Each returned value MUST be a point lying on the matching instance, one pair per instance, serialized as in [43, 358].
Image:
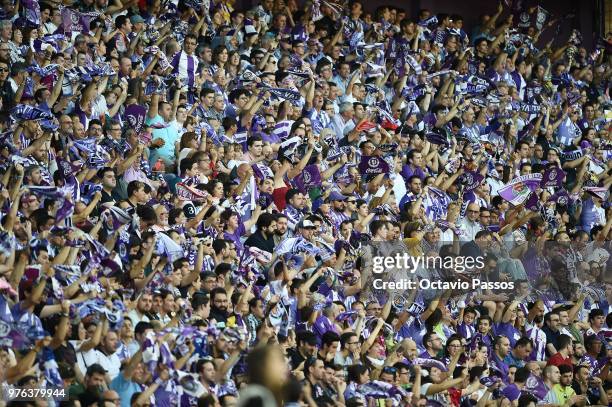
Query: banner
[518, 190]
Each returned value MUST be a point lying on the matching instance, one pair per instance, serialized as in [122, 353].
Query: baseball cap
[135, 19]
[335, 196]
[306, 224]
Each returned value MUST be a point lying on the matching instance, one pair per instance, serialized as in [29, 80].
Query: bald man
[470, 222]
[409, 349]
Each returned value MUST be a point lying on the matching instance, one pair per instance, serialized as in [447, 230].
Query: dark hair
[376, 225]
[521, 375]
[345, 338]
[523, 341]
[330, 337]
[265, 220]
[291, 193]
[141, 327]
[134, 186]
[354, 371]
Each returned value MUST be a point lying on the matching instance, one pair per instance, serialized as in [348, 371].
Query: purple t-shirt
[408, 171]
[511, 392]
[508, 330]
[235, 237]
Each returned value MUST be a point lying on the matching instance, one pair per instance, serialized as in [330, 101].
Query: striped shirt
[567, 132]
[186, 66]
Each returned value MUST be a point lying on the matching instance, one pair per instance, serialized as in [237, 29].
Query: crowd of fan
[193, 195]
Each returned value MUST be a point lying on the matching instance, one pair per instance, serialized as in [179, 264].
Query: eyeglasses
[389, 369]
[3, 69]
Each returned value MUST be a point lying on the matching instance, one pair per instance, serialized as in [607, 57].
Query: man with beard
[143, 307]
[107, 356]
[207, 373]
[295, 207]
[564, 391]
[432, 344]
[338, 206]
[263, 238]
[280, 233]
[223, 251]
[314, 370]
[218, 310]
[91, 389]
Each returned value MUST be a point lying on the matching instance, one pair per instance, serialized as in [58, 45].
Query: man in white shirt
[470, 224]
[142, 307]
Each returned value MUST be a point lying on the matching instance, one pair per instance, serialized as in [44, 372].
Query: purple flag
[285, 94]
[561, 197]
[518, 190]
[533, 202]
[26, 112]
[87, 145]
[430, 363]
[553, 177]
[372, 165]
[535, 385]
[309, 178]
[135, 116]
[471, 180]
[73, 20]
[262, 171]
[31, 10]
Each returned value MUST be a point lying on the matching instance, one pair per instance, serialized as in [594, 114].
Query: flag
[135, 115]
[87, 145]
[429, 363]
[572, 155]
[372, 165]
[518, 190]
[284, 94]
[42, 72]
[31, 11]
[553, 177]
[115, 217]
[310, 177]
[435, 137]
[26, 112]
[73, 20]
[416, 67]
[599, 192]
[262, 171]
[366, 126]
[282, 129]
[189, 193]
[471, 180]
[167, 247]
